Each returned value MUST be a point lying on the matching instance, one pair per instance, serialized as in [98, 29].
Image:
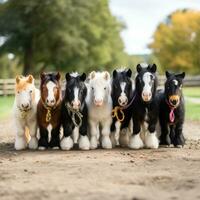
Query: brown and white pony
[25, 108]
[49, 111]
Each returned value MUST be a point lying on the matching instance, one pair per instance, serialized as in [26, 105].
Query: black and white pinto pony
[145, 108]
[172, 111]
[122, 94]
[74, 112]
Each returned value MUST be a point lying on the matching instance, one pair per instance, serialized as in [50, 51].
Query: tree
[60, 34]
[176, 42]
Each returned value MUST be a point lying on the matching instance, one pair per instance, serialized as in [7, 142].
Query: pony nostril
[52, 101]
[174, 102]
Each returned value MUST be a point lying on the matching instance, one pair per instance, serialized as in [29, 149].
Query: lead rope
[74, 114]
[49, 109]
[23, 112]
[171, 114]
[118, 109]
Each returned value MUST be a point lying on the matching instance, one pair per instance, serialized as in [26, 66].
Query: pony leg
[43, 141]
[33, 143]
[151, 140]
[20, 140]
[55, 138]
[67, 142]
[135, 140]
[94, 134]
[106, 142]
[179, 139]
[84, 142]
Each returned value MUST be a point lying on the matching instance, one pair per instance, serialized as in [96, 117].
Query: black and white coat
[145, 108]
[122, 94]
[74, 112]
[172, 111]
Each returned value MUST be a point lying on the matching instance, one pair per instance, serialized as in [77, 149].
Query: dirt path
[100, 174]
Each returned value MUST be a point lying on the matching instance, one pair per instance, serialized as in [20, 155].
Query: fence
[7, 85]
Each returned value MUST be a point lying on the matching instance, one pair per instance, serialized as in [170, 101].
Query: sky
[141, 18]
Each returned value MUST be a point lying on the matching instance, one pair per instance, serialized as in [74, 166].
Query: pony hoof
[106, 143]
[93, 143]
[66, 143]
[20, 143]
[41, 148]
[151, 141]
[55, 148]
[84, 143]
[33, 144]
[136, 142]
[179, 146]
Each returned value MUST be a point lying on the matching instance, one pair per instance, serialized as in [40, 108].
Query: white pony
[25, 107]
[99, 108]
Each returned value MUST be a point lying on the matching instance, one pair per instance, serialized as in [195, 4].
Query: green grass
[192, 92]
[192, 111]
[6, 104]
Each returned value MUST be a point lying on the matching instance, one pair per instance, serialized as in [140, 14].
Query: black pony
[122, 93]
[145, 107]
[172, 111]
[74, 112]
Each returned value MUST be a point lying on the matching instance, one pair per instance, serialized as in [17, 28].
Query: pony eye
[104, 88]
[92, 88]
[17, 92]
[31, 91]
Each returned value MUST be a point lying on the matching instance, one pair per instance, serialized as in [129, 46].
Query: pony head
[50, 88]
[121, 87]
[76, 91]
[173, 88]
[146, 82]
[99, 87]
[24, 92]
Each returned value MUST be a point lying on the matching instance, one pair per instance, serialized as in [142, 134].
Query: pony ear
[17, 79]
[106, 75]
[42, 75]
[139, 68]
[114, 73]
[67, 76]
[153, 68]
[92, 75]
[58, 76]
[129, 73]
[83, 77]
[30, 79]
[167, 74]
[182, 75]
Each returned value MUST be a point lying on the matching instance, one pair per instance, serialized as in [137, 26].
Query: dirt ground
[166, 173]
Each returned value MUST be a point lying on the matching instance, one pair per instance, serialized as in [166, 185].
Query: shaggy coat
[74, 112]
[49, 111]
[172, 111]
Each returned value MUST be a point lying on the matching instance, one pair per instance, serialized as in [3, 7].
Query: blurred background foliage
[69, 35]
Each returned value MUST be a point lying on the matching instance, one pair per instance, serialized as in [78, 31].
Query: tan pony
[25, 108]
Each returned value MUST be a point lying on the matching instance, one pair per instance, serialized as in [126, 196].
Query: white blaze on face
[146, 93]
[175, 82]
[76, 103]
[122, 100]
[51, 98]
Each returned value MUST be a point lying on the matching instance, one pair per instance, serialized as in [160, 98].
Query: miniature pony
[172, 111]
[49, 111]
[99, 108]
[145, 108]
[75, 112]
[25, 108]
[122, 95]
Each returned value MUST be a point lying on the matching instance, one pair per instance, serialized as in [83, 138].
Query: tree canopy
[60, 34]
[176, 42]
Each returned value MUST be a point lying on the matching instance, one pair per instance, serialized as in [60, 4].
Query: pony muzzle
[50, 102]
[98, 102]
[76, 105]
[146, 96]
[174, 100]
[123, 100]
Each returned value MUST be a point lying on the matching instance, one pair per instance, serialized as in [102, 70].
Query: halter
[23, 112]
[74, 114]
[119, 109]
[49, 109]
[171, 114]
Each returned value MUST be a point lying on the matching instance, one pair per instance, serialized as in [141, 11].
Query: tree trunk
[28, 60]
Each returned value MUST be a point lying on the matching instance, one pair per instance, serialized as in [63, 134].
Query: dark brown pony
[49, 111]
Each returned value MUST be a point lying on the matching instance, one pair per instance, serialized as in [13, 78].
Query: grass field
[192, 109]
